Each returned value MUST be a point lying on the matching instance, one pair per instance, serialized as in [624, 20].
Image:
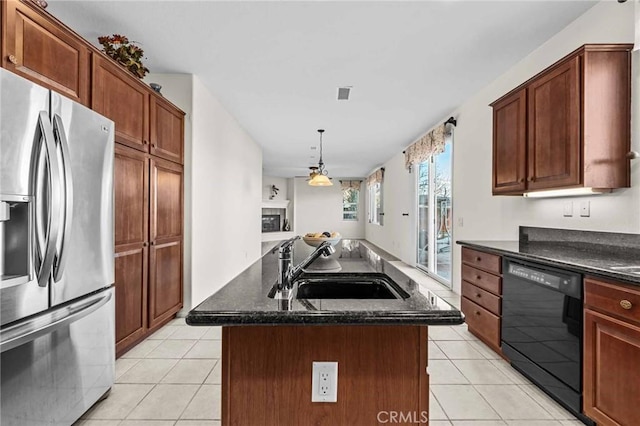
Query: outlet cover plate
[324, 382]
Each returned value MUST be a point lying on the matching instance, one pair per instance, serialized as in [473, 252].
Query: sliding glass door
[434, 215]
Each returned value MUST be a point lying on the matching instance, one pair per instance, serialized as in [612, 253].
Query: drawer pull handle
[478, 259]
[478, 277]
[478, 295]
[626, 304]
[13, 59]
[477, 312]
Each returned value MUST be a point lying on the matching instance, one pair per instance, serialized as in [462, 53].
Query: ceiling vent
[343, 93]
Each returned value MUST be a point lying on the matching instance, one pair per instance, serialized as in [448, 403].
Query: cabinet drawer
[482, 321]
[482, 279]
[485, 261]
[482, 297]
[616, 299]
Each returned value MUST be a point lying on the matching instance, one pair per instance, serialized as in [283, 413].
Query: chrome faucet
[287, 273]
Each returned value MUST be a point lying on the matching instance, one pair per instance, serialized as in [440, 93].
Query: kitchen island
[269, 345]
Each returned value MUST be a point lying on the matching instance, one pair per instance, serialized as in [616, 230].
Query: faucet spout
[325, 249]
[287, 273]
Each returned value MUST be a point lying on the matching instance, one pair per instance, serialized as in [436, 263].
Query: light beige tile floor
[173, 379]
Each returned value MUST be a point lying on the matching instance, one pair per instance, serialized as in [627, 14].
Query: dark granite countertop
[599, 256]
[244, 300]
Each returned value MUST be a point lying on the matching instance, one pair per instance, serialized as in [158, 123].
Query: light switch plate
[568, 209]
[324, 382]
[585, 209]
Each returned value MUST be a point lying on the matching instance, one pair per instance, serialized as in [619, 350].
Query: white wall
[485, 217]
[397, 235]
[319, 209]
[223, 189]
[227, 196]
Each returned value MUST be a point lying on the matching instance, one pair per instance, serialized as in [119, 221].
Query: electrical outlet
[324, 382]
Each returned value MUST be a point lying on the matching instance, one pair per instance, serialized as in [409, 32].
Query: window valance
[429, 144]
[376, 177]
[350, 184]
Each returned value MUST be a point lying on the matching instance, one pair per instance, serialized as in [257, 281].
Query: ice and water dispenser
[15, 221]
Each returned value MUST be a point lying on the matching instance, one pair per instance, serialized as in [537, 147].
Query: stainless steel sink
[348, 286]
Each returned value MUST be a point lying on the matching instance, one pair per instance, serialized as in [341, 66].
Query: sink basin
[348, 286]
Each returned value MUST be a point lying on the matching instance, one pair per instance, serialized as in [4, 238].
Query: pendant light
[319, 177]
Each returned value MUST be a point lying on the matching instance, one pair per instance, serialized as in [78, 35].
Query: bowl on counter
[316, 241]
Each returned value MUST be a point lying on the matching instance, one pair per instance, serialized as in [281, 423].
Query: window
[350, 199]
[375, 203]
[434, 214]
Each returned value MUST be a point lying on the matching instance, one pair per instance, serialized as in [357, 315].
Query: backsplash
[610, 241]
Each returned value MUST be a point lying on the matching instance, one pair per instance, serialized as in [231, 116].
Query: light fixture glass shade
[569, 192]
[320, 180]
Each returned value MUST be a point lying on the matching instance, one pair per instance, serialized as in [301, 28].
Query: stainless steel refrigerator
[57, 332]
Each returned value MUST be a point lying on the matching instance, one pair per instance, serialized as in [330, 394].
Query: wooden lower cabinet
[611, 369]
[148, 242]
[131, 295]
[165, 283]
[481, 299]
[267, 372]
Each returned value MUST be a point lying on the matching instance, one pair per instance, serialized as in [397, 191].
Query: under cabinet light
[570, 192]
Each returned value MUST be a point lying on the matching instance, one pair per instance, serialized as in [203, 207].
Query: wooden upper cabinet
[116, 95]
[554, 128]
[37, 47]
[167, 130]
[510, 143]
[576, 121]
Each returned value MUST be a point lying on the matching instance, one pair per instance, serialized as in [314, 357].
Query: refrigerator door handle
[54, 199]
[61, 258]
[28, 331]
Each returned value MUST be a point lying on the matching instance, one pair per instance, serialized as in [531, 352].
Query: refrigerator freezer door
[55, 378]
[85, 261]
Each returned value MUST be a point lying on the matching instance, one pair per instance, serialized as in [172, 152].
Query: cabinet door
[131, 296]
[554, 128]
[510, 144]
[116, 95]
[166, 200]
[165, 280]
[165, 260]
[611, 370]
[43, 51]
[167, 131]
[131, 188]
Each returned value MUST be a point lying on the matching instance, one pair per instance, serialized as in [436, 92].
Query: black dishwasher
[542, 328]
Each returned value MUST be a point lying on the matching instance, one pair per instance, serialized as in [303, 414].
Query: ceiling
[276, 66]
